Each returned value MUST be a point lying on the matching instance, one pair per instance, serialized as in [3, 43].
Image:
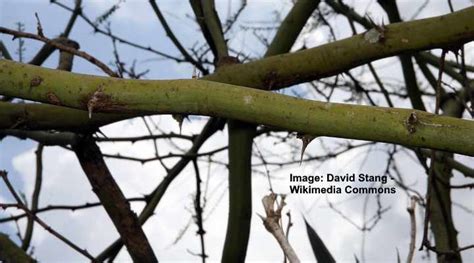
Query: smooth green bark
[326, 60]
[11, 252]
[400, 126]
[409, 75]
[241, 136]
[291, 27]
[338, 56]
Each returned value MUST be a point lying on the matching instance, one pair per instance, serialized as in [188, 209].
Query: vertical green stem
[241, 136]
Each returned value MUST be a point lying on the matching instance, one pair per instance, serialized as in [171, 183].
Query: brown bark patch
[411, 122]
[53, 99]
[35, 81]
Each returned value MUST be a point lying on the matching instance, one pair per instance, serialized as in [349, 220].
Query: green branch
[295, 68]
[409, 75]
[291, 27]
[11, 252]
[101, 94]
[38, 117]
[339, 56]
[241, 136]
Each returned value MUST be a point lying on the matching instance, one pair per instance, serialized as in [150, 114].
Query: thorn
[306, 139]
[180, 119]
[39, 28]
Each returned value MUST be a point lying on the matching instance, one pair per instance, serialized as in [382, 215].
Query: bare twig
[145, 137]
[64, 207]
[39, 28]
[35, 197]
[167, 156]
[114, 37]
[56, 44]
[22, 206]
[271, 223]
[290, 224]
[199, 210]
[175, 40]
[438, 86]
[411, 211]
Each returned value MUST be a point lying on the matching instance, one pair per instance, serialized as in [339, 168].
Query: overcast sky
[65, 183]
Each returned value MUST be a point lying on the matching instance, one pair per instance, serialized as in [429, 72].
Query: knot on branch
[36, 81]
[411, 122]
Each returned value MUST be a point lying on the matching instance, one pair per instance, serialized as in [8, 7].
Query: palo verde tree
[292, 89]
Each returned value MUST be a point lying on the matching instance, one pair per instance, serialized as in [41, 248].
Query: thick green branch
[213, 24]
[291, 27]
[409, 75]
[11, 252]
[241, 136]
[400, 126]
[4, 51]
[325, 60]
[339, 56]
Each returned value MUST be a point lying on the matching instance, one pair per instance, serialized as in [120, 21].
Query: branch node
[411, 122]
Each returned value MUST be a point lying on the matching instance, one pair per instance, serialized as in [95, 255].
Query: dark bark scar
[35, 81]
[100, 101]
[52, 98]
[411, 122]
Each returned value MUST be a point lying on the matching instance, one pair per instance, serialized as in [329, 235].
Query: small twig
[35, 197]
[199, 210]
[22, 206]
[82, 54]
[411, 211]
[174, 39]
[145, 137]
[264, 162]
[450, 6]
[39, 28]
[61, 207]
[155, 145]
[290, 224]
[72, 20]
[114, 37]
[448, 252]
[167, 156]
[21, 42]
[440, 77]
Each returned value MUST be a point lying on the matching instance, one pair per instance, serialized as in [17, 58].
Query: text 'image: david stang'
[305, 184]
